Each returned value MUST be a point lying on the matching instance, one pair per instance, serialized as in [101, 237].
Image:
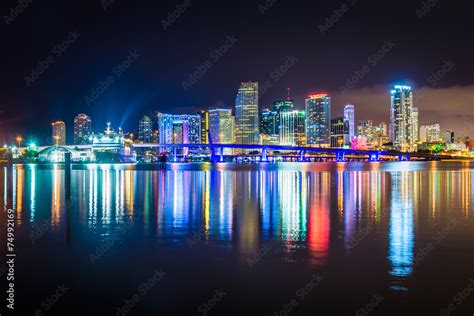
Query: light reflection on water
[306, 210]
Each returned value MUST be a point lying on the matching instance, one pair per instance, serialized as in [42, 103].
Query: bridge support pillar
[264, 155]
[302, 156]
[175, 156]
[374, 157]
[221, 152]
[340, 157]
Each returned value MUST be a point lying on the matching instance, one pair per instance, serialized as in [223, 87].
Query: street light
[19, 140]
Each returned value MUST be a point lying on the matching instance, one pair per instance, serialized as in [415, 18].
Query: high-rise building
[449, 137]
[283, 105]
[292, 131]
[145, 130]
[59, 133]
[268, 122]
[246, 114]
[380, 135]
[414, 133]
[165, 127]
[339, 128]
[204, 126]
[181, 132]
[430, 134]
[349, 119]
[221, 126]
[402, 129]
[318, 120]
[82, 129]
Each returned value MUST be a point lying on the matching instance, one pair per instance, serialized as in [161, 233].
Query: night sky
[256, 38]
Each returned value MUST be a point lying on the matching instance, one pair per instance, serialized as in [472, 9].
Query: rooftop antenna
[289, 93]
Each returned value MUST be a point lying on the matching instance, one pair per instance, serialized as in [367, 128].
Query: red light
[318, 95]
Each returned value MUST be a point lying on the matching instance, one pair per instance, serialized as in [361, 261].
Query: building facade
[292, 131]
[349, 119]
[82, 129]
[145, 130]
[204, 115]
[318, 120]
[402, 127]
[165, 127]
[339, 128]
[246, 114]
[59, 133]
[221, 126]
[430, 134]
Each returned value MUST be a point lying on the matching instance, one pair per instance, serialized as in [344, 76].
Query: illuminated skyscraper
[204, 126]
[430, 134]
[349, 119]
[414, 133]
[165, 127]
[180, 132]
[59, 133]
[366, 129]
[339, 128]
[82, 129]
[292, 131]
[402, 125]
[269, 122]
[221, 126]
[318, 120]
[449, 137]
[246, 114]
[145, 130]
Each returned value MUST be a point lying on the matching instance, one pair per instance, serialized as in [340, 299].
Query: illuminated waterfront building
[349, 119]
[449, 137]
[292, 131]
[165, 127]
[204, 115]
[339, 128]
[414, 133]
[82, 129]
[430, 134]
[402, 127]
[318, 120]
[145, 130]
[366, 129]
[246, 114]
[59, 133]
[283, 105]
[221, 126]
[269, 126]
[180, 132]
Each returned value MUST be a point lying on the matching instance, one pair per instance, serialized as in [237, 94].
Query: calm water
[287, 239]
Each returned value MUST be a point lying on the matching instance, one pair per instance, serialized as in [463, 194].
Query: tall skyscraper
[269, 122]
[59, 133]
[349, 119]
[401, 118]
[221, 126]
[204, 125]
[246, 114]
[292, 131]
[414, 133]
[180, 132]
[449, 137]
[145, 130]
[366, 129]
[318, 120]
[165, 127]
[339, 127]
[82, 129]
[430, 134]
